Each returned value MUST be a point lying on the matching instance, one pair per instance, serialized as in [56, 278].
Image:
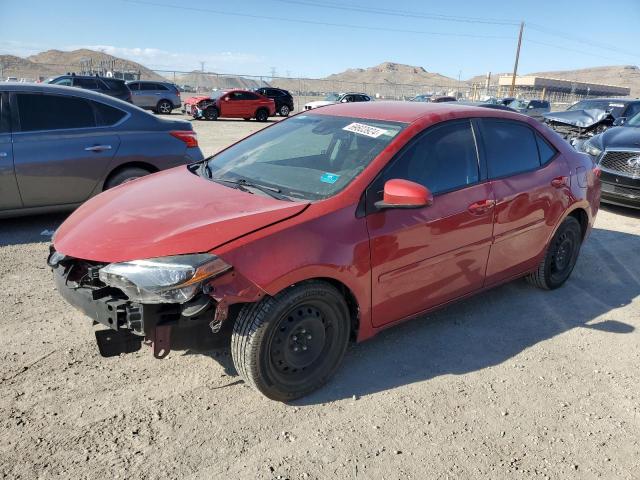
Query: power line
[585, 41]
[569, 49]
[313, 22]
[401, 13]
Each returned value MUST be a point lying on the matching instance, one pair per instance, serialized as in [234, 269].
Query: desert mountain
[56, 62]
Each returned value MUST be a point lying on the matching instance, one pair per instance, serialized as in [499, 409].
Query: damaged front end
[575, 125]
[170, 303]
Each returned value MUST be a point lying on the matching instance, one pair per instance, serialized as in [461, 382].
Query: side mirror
[619, 121]
[226, 99]
[404, 194]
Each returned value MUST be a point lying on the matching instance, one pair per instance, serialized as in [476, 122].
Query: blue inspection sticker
[329, 177]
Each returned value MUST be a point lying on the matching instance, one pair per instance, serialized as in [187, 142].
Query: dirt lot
[513, 383]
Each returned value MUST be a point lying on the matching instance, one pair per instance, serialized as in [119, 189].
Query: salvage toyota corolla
[330, 225]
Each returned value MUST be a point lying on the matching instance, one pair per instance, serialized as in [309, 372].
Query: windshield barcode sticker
[367, 130]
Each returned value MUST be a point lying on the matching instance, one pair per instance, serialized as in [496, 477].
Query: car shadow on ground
[29, 229]
[487, 329]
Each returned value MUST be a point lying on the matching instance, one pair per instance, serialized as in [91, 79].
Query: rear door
[9, 193]
[421, 258]
[150, 94]
[530, 182]
[60, 151]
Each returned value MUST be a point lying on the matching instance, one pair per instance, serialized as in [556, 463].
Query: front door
[9, 193]
[530, 183]
[421, 258]
[59, 151]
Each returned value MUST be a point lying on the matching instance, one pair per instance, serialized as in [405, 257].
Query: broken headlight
[590, 148]
[175, 279]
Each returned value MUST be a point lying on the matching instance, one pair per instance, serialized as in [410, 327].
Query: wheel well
[147, 166]
[350, 298]
[582, 217]
[262, 108]
[164, 100]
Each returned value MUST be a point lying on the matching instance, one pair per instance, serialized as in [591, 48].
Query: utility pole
[273, 72]
[202, 67]
[515, 67]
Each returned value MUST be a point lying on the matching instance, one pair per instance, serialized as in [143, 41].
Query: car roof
[409, 112]
[62, 90]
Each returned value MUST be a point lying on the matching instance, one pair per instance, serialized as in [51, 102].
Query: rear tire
[125, 175]
[560, 258]
[211, 113]
[164, 107]
[289, 345]
[262, 115]
[246, 119]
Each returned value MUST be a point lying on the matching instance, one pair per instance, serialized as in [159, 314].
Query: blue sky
[318, 37]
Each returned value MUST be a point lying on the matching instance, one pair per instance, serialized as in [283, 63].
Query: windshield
[331, 97]
[633, 121]
[217, 94]
[309, 157]
[518, 104]
[614, 107]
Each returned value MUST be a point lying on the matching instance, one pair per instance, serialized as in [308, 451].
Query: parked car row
[333, 98]
[230, 104]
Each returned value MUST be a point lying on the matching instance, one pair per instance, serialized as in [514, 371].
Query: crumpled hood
[196, 100]
[168, 213]
[319, 103]
[578, 118]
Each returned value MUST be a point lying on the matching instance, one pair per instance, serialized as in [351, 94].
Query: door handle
[560, 182]
[481, 206]
[98, 148]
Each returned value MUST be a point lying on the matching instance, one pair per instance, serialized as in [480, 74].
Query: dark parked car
[109, 86]
[442, 99]
[60, 146]
[617, 154]
[533, 108]
[495, 106]
[160, 97]
[283, 99]
[592, 116]
[327, 226]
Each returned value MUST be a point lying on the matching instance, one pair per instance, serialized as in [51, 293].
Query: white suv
[333, 98]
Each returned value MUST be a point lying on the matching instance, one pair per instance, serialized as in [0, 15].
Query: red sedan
[330, 225]
[231, 104]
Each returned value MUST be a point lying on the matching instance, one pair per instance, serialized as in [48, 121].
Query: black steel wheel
[288, 345]
[284, 111]
[164, 107]
[211, 113]
[262, 115]
[562, 255]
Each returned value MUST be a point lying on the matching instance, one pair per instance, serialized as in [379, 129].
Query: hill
[57, 62]
[622, 75]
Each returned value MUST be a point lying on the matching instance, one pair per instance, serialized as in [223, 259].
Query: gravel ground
[515, 382]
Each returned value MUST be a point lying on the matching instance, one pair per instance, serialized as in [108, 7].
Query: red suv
[332, 224]
[231, 104]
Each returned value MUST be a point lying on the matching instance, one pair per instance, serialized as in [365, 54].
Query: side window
[108, 115]
[88, 83]
[546, 151]
[53, 112]
[4, 115]
[511, 147]
[246, 96]
[442, 159]
[113, 84]
[235, 96]
[63, 81]
[133, 86]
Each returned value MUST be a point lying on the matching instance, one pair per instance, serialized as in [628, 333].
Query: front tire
[211, 113]
[560, 258]
[289, 345]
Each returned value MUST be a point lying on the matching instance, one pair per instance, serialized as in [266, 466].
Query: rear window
[88, 83]
[511, 147]
[108, 115]
[53, 112]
